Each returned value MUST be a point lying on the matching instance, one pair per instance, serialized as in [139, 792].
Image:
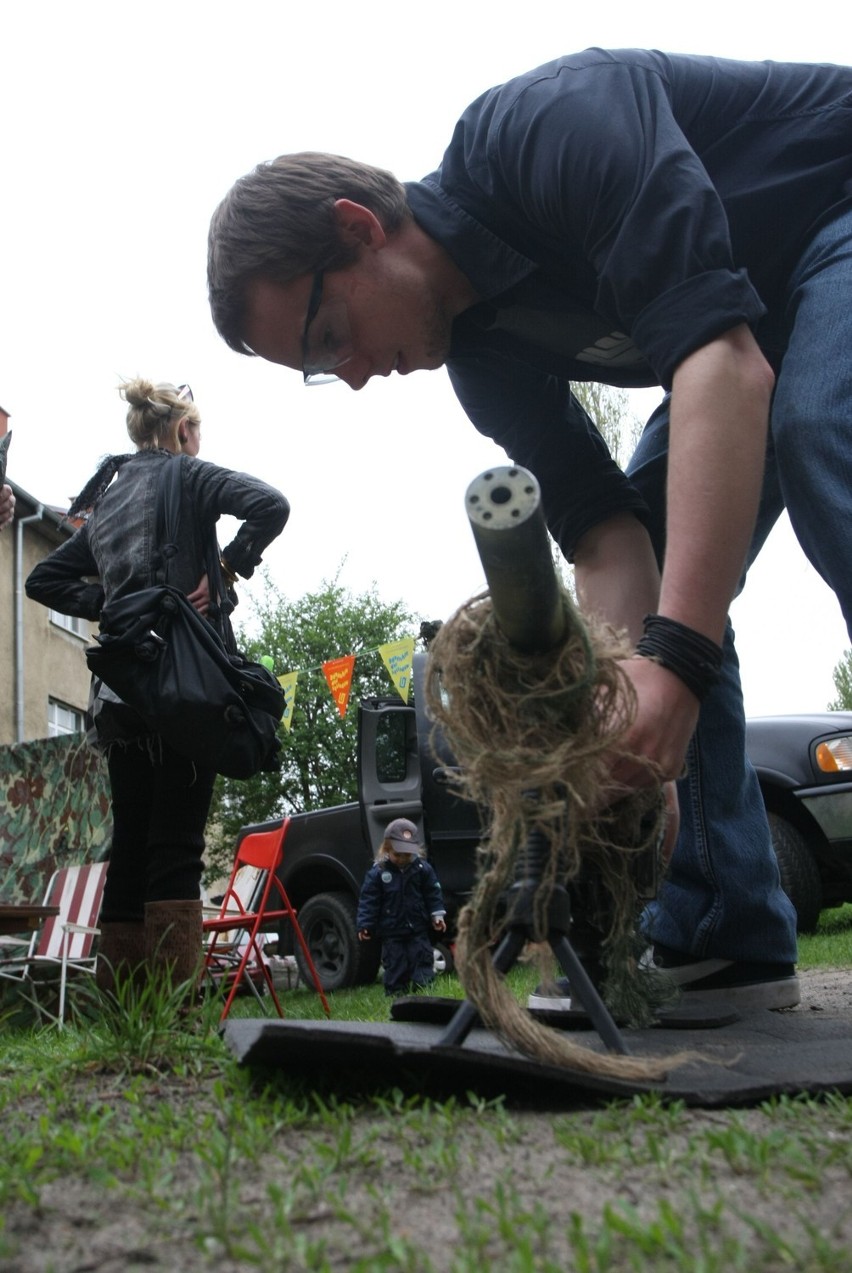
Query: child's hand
[364, 934]
[439, 923]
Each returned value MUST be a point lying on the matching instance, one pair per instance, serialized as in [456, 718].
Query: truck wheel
[328, 923]
[800, 877]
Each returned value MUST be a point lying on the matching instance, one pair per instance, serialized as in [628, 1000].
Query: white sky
[123, 125]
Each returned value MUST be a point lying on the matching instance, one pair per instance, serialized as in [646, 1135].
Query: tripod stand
[520, 928]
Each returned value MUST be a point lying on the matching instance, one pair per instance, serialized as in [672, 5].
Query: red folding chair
[263, 849]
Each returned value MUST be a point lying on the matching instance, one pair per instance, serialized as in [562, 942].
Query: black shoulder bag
[170, 665]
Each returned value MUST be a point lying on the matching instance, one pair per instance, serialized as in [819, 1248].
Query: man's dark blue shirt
[616, 211]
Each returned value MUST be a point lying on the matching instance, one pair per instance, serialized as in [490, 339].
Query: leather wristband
[689, 654]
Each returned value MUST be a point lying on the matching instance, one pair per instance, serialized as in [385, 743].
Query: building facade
[41, 651]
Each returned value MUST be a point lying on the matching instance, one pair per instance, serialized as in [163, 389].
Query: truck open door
[389, 780]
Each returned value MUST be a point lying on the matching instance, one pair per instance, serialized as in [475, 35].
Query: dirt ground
[826, 990]
[433, 1207]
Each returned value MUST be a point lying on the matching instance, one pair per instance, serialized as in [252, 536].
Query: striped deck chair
[65, 942]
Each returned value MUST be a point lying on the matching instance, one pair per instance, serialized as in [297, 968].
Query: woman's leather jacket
[115, 552]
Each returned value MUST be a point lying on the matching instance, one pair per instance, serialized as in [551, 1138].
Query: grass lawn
[831, 945]
[133, 1141]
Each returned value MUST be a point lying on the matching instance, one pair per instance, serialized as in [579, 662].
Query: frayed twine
[536, 737]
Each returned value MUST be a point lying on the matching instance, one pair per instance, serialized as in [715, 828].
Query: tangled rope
[536, 736]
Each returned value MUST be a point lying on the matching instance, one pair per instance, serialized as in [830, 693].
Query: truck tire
[800, 878]
[328, 923]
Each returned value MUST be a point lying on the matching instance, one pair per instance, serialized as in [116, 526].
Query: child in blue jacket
[401, 903]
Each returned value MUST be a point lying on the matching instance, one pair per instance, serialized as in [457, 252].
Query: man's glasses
[326, 337]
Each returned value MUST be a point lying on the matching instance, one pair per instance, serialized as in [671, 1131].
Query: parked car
[804, 764]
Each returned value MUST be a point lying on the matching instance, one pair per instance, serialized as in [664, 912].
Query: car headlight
[834, 755]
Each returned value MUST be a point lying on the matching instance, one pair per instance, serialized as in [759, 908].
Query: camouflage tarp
[54, 811]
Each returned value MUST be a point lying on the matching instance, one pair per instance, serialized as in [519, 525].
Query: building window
[62, 719]
[69, 622]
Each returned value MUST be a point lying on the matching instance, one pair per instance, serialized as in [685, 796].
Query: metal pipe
[507, 519]
[535, 614]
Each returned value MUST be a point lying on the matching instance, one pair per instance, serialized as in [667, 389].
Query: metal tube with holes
[506, 517]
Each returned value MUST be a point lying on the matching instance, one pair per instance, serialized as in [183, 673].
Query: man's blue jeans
[722, 896]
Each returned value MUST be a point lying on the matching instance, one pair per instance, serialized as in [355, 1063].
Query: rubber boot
[173, 949]
[121, 953]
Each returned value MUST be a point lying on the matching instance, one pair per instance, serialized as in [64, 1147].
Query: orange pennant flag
[338, 673]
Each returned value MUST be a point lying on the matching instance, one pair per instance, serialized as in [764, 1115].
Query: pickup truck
[804, 764]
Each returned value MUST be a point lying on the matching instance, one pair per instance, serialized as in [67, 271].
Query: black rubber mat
[437, 1010]
[749, 1060]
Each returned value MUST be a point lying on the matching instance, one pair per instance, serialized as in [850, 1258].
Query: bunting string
[397, 656]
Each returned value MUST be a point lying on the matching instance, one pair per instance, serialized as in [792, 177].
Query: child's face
[402, 860]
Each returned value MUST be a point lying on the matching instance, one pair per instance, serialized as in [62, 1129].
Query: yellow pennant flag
[398, 657]
[338, 673]
[288, 685]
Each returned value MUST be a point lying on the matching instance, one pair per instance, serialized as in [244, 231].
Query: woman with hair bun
[151, 912]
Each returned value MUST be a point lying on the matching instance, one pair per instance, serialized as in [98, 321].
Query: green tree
[842, 677]
[609, 408]
[319, 761]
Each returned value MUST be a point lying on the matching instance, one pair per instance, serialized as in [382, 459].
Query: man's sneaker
[712, 984]
[557, 1000]
[729, 983]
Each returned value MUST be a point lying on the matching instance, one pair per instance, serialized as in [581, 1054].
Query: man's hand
[439, 923]
[665, 721]
[672, 827]
[364, 934]
[7, 506]
[666, 716]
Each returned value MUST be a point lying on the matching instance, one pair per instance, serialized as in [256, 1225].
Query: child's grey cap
[403, 836]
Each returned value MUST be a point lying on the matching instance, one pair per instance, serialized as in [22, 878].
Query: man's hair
[278, 223]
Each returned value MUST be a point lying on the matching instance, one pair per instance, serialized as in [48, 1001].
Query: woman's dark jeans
[160, 803]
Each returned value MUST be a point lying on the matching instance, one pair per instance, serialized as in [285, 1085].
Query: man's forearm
[717, 447]
[720, 407]
[616, 574]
